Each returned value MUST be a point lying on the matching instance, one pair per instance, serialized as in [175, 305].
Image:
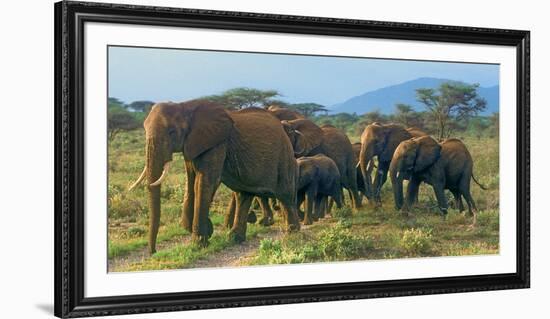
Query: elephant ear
[392, 136]
[209, 126]
[427, 153]
[308, 136]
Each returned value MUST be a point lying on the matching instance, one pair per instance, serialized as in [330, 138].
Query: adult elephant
[381, 140]
[448, 165]
[247, 150]
[308, 139]
[282, 114]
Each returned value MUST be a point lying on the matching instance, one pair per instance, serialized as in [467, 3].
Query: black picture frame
[70, 18]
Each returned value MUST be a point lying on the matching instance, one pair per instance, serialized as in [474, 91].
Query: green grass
[370, 233]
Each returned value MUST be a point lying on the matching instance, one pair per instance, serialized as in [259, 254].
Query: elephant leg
[290, 212]
[189, 198]
[251, 217]
[230, 213]
[441, 198]
[323, 207]
[330, 203]
[350, 194]
[380, 179]
[472, 209]
[458, 200]
[300, 198]
[412, 192]
[238, 231]
[310, 197]
[318, 207]
[353, 189]
[208, 168]
[267, 219]
[274, 204]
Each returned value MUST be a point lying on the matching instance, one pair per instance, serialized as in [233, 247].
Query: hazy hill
[384, 99]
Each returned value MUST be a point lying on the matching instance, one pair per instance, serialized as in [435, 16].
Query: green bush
[417, 241]
[273, 252]
[341, 213]
[338, 242]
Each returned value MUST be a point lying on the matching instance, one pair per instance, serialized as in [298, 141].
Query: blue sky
[179, 75]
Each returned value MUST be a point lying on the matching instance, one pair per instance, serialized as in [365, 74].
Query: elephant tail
[478, 183]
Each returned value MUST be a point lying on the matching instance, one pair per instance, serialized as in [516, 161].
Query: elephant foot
[293, 227]
[308, 221]
[251, 219]
[236, 237]
[267, 221]
[316, 218]
[199, 241]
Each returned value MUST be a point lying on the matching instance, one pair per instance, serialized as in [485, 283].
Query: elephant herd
[277, 154]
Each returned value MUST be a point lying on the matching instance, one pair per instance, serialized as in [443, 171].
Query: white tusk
[163, 176]
[398, 174]
[298, 132]
[139, 180]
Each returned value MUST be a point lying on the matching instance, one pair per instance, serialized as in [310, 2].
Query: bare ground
[232, 256]
[139, 255]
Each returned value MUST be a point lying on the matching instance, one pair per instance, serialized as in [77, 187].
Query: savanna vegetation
[371, 232]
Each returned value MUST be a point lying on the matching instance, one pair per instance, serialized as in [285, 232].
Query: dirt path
[237, 254]
[139, 255]
[232, 256]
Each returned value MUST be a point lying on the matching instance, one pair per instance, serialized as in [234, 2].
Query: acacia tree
[308, 109]
[451, 101]
[405, 114]
[119, 119]
[243, 97]
[141, 106]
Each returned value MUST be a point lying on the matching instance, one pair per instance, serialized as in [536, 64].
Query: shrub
[339, 242]
[417, 241]
[273, 252]
[341, 213]
[121, 206]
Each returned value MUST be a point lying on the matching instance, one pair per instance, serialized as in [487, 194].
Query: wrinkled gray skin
[247, 150]
[318, 178]
[446, 165]
[380, 141]
[281, 114]
[309, 139]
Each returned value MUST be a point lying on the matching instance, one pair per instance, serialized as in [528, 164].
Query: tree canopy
[308, 109]
[451, 101]
[140, 106]
[243, 97]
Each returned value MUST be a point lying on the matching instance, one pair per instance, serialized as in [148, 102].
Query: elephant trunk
[154, 171]
[397, 183]
[365, 156]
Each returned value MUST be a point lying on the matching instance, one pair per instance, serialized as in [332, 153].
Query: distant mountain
[384, 99]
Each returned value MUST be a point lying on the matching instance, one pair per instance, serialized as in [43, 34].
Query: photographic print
[200, 151]
[234, 159]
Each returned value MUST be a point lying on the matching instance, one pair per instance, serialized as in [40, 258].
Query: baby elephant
[446, 165]
[318, 178]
